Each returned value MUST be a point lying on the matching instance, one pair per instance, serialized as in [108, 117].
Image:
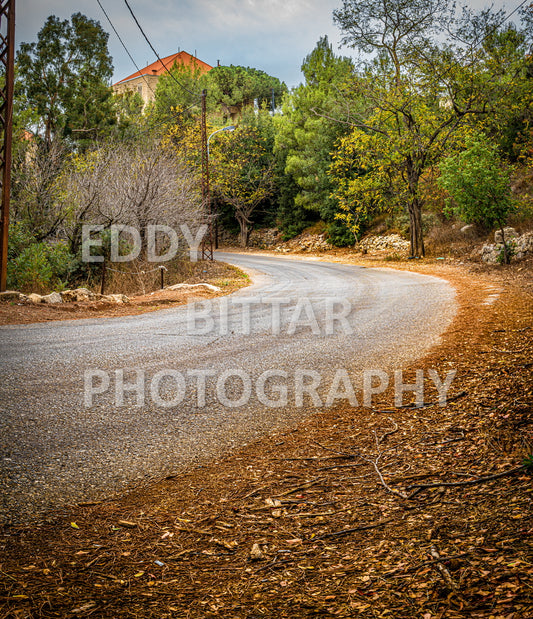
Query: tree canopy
[65, 77]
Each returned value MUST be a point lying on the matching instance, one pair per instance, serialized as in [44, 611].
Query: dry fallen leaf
[256, 554]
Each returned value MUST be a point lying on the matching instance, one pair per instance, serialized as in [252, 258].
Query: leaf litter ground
[356, 512]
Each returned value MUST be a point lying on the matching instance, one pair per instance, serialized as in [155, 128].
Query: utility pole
[7, 59]
[207, 244]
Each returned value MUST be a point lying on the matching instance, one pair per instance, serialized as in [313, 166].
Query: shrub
[37, 266]
[30, 270]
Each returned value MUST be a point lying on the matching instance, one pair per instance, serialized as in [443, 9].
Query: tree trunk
[415, 229]
[415, 211]
[506, 258]
[245, 233]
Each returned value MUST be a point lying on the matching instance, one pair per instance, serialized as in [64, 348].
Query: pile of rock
[265, 238]
[307, 243]
[66, 296]
[386, 242]
[520, 246]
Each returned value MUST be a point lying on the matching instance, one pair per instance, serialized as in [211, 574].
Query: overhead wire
[124, 46]
[157, 55]
[168, 117]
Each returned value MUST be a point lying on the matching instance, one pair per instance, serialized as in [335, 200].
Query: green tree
[419, 93]
[232, 89]
[479, 185]
[65, 77]
[177, 95]
[306, 135]
[242, 174]
[505, 57]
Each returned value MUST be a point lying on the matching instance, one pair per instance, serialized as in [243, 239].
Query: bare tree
[132, 184]
[35, 187]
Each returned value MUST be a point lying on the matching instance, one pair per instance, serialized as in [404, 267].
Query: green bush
[339, 235]
[62, 263]
[30, 269]
[37, 266]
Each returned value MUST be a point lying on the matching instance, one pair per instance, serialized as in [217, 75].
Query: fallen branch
[399, 493]
[320, 514]
[273, 564]
[430, 404]
[415, 568]
[390, 432]
[471, 482]
[348, 531]
[447, 577]
[297, 488]
[255, 491]
[375, 462]
[340, 453]
[439, 560]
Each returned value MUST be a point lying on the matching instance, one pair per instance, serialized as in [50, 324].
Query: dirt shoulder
[356, 512]
[226, 277]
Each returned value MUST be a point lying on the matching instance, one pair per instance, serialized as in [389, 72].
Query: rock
[510, 233]
[11, 295]
[209, 287]
[118, 299]
[115, 299]
[306, 242]
[265, 238]
[520, 247]
[389, 241]
[524, 243]
[468, 229]
[491, 253]
[77, 295]
[52, 298]
[34, 298]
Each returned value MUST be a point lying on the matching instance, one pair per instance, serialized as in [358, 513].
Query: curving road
[69, 431]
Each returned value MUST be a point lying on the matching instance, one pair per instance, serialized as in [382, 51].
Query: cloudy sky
[272, 35]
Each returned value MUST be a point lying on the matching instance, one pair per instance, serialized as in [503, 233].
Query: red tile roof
[158, 67]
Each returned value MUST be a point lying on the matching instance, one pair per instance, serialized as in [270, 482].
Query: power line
[157, 55]
[167, 118]
[124, 46]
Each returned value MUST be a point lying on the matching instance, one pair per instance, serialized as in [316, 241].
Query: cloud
[272, 35]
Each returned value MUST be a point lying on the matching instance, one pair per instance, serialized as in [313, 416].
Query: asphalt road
[203, 374]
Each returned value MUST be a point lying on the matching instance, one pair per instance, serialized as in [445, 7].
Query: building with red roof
[144, 81]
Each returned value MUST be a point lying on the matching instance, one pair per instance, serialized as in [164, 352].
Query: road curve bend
[91, 407]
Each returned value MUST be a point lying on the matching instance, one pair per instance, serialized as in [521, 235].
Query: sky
[271, 35]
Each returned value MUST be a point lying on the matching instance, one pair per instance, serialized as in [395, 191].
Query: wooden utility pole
[207, 243]
[7, 60]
